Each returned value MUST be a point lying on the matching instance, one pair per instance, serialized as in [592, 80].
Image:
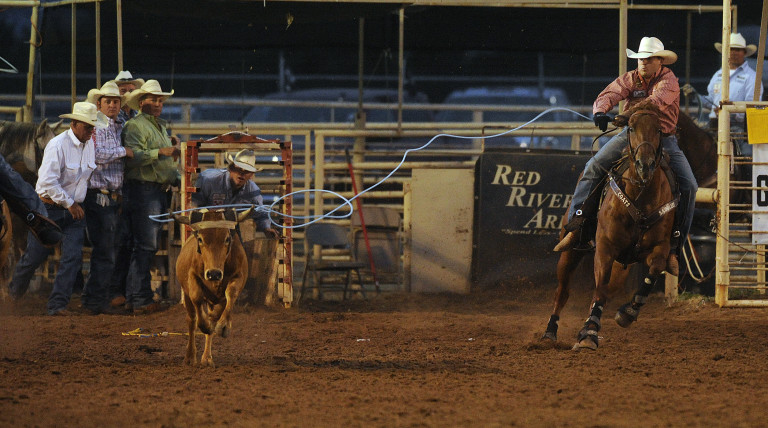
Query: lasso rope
[348, 202]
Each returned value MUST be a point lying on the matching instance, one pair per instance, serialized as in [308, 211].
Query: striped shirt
[109, 158]
[662, 89]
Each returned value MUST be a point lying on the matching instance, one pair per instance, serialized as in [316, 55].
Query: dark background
[235, 48]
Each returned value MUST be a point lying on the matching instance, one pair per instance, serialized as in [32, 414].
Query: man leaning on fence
[233, 185]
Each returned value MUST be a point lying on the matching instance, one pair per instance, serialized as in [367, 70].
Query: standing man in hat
[62, 182]
[127, 84]
[149, 176]
[650, 82]
[741, 87]
[102, 200]
[233, 185]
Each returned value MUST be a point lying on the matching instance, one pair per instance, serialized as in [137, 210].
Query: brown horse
[6, 243]
[22, 144]
[700, 148]
[634, 224]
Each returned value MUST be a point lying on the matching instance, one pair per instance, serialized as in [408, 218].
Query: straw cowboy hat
[244, 159]
[125, 76]
[108, 89]
[151, 87]
[651, 46]
[87, 112]
[738, 42]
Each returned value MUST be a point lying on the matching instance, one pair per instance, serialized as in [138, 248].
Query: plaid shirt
[662, 89]
[109, 158]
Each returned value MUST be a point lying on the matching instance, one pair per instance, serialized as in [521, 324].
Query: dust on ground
[394, 360]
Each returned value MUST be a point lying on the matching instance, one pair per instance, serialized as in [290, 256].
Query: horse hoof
[222, 330]
[585, 344]
[626, 315]
[549, 336]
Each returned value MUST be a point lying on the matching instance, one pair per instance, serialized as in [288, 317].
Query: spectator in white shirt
[62, 182]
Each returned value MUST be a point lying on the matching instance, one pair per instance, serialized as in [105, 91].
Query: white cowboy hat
[125, 76]
[244, 159]
[108, 89]
[738, 42]
[87, 112]
[651, 46]
[152, 87]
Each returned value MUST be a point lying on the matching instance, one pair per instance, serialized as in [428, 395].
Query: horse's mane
[15, 135]
[643, 105]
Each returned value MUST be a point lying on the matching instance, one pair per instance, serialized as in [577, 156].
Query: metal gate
[740, 259]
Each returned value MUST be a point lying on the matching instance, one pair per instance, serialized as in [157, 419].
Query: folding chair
[330, 236]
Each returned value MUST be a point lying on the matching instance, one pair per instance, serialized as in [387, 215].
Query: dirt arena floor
[393, 360]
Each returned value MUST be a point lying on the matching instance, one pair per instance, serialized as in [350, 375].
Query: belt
[113, 194]
[49, 201]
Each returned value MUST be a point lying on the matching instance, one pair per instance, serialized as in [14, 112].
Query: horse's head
[645, 142]
[22, 144]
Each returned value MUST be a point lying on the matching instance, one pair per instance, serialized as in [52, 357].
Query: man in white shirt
[62, 182]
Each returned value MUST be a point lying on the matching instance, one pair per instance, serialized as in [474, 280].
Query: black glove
[601, 121]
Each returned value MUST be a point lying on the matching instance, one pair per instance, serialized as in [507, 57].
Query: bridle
[633, 150]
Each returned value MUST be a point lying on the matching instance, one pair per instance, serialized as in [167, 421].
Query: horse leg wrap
[552, 326]
[628, 312]
[592, 324]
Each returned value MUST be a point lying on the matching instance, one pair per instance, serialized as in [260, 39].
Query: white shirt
[67, 165]
[741, 87]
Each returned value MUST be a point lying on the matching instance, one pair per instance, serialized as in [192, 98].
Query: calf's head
[214, 236]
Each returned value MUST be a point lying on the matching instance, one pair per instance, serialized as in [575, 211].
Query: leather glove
[601, 121]
[620, 120]
[687, 89]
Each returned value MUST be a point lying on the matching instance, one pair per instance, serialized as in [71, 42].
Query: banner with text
[520, 197]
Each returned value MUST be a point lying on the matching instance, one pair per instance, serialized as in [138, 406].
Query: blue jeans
[101, 224]
[69, 265]
[594, 171]
[140, 200]
[123, 251]
[12, 185]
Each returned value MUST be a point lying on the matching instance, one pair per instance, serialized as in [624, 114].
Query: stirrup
[576, 223]
[44, 229]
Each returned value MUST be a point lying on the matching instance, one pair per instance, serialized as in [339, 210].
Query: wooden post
[761, 48]
[98, 44]
[406, 240]
[622, 42]
[119, 35]
[722, 274]
[73, 56]
[27, 115]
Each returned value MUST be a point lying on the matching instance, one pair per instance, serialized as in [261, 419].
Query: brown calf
[212, 268]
